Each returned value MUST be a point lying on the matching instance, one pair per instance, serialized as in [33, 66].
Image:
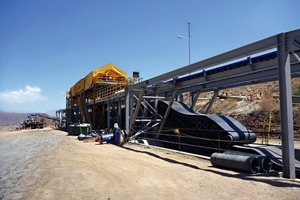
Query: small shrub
[296, 91]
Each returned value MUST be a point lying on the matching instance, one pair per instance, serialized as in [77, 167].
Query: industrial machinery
[32, 122]
[154, 108]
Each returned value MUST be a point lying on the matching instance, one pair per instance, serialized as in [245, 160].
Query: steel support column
[136, 111]
[93, 122]
[127, 112]
[195, 96]
[164, 120]
[128, 109]
[108, 115]
[212, 102]
[119, 113]
[286, 109]
[179, 97]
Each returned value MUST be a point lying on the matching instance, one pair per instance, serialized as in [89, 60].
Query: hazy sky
[46, 46]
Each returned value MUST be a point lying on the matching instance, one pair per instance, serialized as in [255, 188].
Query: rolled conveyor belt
[273, 152]
[203, 125]
[243, 163]
[265, 163]
[193, 132]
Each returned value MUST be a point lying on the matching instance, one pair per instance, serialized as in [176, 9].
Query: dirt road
[48, 164]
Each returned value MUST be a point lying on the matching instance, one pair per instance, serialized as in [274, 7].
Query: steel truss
[271, 59]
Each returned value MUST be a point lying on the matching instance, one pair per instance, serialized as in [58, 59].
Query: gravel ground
[48, 164]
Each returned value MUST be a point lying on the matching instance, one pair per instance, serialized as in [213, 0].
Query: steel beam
[235, 54]
[260, 72]
[195, 97]
[137, 108]
[164, 120]
[128, 111]
[238, 81]
[233, 79]
[212, 101]
[286, 109]
[108, 115]
[119, 113]
[296, 99]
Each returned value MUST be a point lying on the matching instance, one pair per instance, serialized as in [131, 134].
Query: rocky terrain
[253, 105]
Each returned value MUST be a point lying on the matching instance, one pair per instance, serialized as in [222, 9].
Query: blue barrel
[117, 137]
[94, 133]
[106, 137]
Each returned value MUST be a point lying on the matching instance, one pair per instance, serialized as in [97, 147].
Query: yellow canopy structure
[108, 74]
[79, 86]
[71, 92]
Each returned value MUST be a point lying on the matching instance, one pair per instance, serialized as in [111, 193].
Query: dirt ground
[48, 164]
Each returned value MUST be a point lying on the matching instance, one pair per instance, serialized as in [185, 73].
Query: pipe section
[265, 162]
[243, 163]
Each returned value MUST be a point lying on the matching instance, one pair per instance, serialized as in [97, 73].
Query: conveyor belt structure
[192, 130]
[135, 108]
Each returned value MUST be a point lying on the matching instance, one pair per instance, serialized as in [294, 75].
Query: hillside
[11, 118]
[252, 105]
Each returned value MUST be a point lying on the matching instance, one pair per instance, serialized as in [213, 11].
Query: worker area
[108, 106]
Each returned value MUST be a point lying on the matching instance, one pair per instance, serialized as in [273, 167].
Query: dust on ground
[48, 164]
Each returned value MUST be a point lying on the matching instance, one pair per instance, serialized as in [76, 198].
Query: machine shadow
[253, 178]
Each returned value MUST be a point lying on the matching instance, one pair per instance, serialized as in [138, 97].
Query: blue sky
[46, 46]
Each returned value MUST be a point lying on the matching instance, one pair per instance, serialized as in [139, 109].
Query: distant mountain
[11, 118]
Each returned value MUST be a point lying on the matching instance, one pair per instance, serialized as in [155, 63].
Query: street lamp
[189, 40]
